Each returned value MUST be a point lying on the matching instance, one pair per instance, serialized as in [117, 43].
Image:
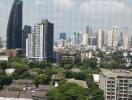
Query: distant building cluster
[115, 39]
[38, 43]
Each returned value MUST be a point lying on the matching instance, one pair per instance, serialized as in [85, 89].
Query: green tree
[94, 91]
[76, 75]
[3, 65]
[18, 62]
[90, 63]
[68, 66]
[4, 79]
[41, 79]
[21, 73]
[69, 74]
[42, 65]
[68, 91]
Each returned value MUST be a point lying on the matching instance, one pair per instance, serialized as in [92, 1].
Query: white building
[61, 43]
[39, 44]
[126, 40]
[10, 71]
[115, 32]
[110, 39]
[85, 39]
[100, 39]
[30, 46]
[96, 78]
[4, 58]
[116, 84]
[3, 98]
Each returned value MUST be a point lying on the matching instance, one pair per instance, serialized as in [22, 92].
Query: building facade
[110, 39]
[76, 38]
[100, 39]
[39, 44]
[63, 36]
[116, 84]
[14, 28]
[85, 39]
[126, 39]
[25, 32]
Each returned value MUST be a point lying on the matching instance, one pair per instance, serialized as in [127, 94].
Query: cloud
[64, 4]
[101, 6]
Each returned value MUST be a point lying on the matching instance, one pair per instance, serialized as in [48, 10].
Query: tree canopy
[68, 91]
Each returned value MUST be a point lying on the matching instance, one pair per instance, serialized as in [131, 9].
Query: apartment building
[116, 84]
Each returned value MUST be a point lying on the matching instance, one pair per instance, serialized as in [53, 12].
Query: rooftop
[117, 72]
[78, 82]
[24, 90]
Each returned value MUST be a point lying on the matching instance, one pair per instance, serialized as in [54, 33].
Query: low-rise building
[15, 52]
[78, 82]
[24, 90]
[96, 78]
[4, 58]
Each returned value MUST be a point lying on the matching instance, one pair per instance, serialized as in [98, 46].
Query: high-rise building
[120, 39]
[92, 40]
[14, 28]
[126, 39]
[115, 32]
[76, 38]
[30, 51]
[92, 36]
[89, 31]
[85, 39]
[26, 31]
[1, 43]
[131, 41]
[63, 36]
[39, 44]
[116, 84]
[110, 39]
[100, 39]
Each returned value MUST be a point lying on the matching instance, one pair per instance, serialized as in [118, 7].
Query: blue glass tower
[14, 28]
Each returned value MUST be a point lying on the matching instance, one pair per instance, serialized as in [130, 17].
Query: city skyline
[95, 13]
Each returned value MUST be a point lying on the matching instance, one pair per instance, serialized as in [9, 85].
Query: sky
[71, 15]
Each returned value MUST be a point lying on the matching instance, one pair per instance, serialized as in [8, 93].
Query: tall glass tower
[14, 28]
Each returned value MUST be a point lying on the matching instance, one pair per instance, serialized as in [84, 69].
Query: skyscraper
[76, 38]
[39, 44]
[110, 39]
[92, 40]
[115, 31]
[100, 39]
[14, 28]
[131, 41]
[92, 36]
[25, 32]
[126, 39]
[63, 36]
[85, 39]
